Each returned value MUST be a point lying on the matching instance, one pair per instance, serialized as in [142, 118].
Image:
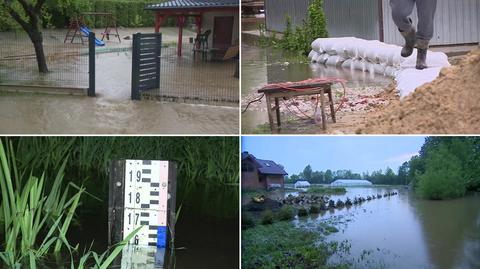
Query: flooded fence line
[71, 65]
[195, 77]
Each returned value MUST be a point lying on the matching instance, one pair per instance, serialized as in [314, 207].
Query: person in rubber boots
[401, 10]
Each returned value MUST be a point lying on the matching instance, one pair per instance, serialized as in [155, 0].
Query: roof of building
[351, 182]
[175, 4]
[265, 166]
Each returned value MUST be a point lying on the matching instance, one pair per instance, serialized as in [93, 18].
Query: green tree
[443, 175]
[403, 171]
[307, 172]
[328, 176]
[27, 13]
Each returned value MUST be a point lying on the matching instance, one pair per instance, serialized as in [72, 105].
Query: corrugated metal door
[456, 22]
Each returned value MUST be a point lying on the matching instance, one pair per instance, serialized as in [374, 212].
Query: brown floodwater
[261, 66]
[62, 114]
[404, 231]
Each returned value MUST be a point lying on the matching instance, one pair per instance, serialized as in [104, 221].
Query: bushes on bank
[286, 213]
[267, 217]
[299, 39]
[443, 176]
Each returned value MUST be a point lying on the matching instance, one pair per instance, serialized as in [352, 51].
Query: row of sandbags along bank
[377, 57]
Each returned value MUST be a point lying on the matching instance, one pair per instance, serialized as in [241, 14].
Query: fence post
[91, 64]
[135, 66]
[158, 54]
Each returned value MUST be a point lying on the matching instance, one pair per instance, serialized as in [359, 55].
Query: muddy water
[261, 66]
[43, 114]
[403, 231]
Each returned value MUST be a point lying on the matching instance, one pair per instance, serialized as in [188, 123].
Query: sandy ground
[63, 114]
[448, 105]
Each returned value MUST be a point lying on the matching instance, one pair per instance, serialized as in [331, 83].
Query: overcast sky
[357, 153]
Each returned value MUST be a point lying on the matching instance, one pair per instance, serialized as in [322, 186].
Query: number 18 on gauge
[142, 193]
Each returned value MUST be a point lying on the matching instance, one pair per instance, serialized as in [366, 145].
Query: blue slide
[85, 31]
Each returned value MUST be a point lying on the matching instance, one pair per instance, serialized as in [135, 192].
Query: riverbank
[281, 245]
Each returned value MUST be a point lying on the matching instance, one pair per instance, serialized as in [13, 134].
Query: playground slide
[85, 31]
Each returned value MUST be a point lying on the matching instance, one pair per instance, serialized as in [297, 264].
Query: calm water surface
[404, 231]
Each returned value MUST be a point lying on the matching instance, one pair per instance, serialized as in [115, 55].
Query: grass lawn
[281, 245]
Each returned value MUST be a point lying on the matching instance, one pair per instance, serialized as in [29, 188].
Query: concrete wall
[456, 22]
[208, 23]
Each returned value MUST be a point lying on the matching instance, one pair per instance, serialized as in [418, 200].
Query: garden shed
[219, 17]
[457, 22]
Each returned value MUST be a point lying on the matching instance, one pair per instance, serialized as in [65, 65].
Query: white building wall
[208, 23]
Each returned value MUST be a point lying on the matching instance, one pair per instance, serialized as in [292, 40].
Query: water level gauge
[142, 193]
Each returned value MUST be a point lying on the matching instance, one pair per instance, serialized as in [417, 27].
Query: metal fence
[195, 78]
[456, 22]
[68, 63]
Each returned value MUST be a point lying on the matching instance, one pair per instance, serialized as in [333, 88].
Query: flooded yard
[200, 104]
[400, 231]
[261, 66]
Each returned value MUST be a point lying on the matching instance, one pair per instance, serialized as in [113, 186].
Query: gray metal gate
[146, 54]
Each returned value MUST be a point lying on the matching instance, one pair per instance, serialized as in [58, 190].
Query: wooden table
[275, 92]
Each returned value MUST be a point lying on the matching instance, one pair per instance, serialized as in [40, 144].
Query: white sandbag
[379, 69]
[358, 65]
[316, 45]
[312, 54]
[335, 60]
[434, 59]
[322, 58]
[347, 64]
[390, 71]
[409, 79]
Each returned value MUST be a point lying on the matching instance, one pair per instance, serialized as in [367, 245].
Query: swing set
[78, 27]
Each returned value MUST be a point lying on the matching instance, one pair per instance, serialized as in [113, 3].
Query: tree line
[387, 177]
[446, 167]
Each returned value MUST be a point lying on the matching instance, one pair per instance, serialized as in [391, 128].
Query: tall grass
[29, 208]
[207, 166]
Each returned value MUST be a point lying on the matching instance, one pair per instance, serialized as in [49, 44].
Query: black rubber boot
[422, 48]
[410, 38]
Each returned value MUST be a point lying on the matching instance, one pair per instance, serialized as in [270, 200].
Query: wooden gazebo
[181, 9]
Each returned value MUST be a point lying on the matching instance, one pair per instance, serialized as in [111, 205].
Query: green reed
[29, 208]
[206, 165]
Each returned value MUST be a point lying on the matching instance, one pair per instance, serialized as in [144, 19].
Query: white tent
[302, 184]
[350, 182]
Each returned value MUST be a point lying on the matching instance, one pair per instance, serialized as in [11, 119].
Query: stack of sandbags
[377, 57]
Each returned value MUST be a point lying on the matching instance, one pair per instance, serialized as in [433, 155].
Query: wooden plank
[171, 205]
[277, 110]
[332, 108]
[322, 102]
[269, 110]
[116, 201]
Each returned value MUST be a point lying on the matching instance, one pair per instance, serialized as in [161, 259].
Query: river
[404, 231]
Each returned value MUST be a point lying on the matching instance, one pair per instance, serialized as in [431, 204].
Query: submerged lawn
[281, 245]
